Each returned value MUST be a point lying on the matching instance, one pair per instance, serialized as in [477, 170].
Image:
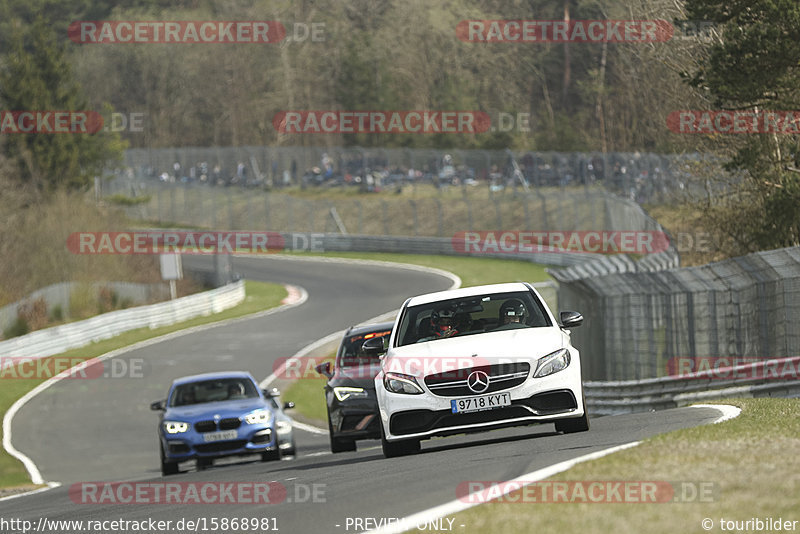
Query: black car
[350, 389]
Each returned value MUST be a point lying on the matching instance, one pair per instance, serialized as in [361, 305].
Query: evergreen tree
[755, 65]
[36, 76]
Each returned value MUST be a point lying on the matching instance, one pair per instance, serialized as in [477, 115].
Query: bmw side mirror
[324, 369]
[373, 346]
[274, 392]
[157, 406]
[571, 319]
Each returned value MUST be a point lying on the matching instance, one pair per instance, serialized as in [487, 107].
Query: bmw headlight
[400, 383]
[175, 427]
[259, 417]
[344, 393]
[552, 363]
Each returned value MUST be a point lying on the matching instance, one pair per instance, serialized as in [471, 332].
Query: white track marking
[728, 411]
[310, 428]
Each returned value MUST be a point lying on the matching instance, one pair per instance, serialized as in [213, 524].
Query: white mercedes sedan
[475, 359]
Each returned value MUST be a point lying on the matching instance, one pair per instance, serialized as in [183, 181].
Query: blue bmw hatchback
[213, 415]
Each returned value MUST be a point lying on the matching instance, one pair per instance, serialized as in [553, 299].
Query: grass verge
[307, 394]
[749, 463]
[260, 296]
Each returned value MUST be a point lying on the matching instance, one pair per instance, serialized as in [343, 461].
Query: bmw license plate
[477, 404]
[221, 436]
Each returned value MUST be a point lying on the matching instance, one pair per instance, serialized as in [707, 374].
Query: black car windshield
[351, 353]
[221, 389]
[471, 315]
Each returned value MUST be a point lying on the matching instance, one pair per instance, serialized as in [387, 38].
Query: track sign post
[171, 270]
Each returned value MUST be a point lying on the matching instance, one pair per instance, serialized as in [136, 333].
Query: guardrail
[634, 320]
[769, 378]
[328, 242]
[57, 339]
[60, 295]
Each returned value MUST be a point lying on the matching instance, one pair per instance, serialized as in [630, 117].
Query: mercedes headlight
[400, 383]
[259, 417]
[344, 393]
[552, 363]
[175, 427]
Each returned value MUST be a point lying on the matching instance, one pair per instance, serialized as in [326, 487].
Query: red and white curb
[296, 295]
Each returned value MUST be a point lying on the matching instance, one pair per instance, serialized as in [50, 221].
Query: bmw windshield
[212, 391]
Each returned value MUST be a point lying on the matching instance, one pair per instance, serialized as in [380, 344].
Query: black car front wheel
[342, 445]
[339, 444]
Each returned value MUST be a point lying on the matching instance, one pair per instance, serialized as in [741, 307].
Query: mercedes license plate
[477, 404]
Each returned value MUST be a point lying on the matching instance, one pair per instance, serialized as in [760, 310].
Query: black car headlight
[552, 363]
[400, 383]
[344, 393]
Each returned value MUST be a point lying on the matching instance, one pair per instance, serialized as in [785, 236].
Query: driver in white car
[512, 315]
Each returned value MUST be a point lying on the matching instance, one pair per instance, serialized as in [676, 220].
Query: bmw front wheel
[167, 468]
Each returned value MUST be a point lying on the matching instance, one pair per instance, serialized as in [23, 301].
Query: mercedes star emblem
[478, 381]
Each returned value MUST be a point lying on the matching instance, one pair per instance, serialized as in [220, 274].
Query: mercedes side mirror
[373, 346]
[571, 319]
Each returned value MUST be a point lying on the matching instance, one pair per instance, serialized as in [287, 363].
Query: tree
[35, 76]
[755, 66]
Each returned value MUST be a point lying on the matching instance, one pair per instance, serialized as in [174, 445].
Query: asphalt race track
[82, 431]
